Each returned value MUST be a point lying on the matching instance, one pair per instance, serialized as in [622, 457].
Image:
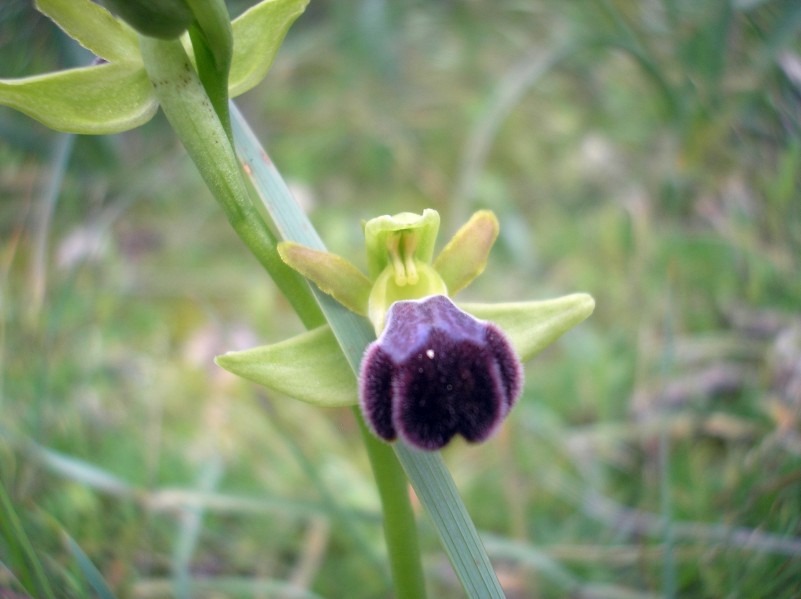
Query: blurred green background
[646, 152]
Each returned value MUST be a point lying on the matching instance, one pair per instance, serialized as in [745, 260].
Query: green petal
[95, 28]
[331, 273]
[465, 255]
[258, 33]
[101, 99]
[309, 367]
[531, 326]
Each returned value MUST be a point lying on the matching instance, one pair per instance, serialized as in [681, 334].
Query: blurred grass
[653, 161]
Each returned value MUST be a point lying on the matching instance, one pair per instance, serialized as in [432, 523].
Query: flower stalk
[186, 104]
[398, 517]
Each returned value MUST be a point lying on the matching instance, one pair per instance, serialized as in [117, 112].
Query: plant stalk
[400, 528]
[193, 117]
[191, 114]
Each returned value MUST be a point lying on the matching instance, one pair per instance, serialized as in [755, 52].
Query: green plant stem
[195, 121]
[399, 522]
[192, 116]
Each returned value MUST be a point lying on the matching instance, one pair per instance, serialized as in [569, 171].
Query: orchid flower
[436, 369]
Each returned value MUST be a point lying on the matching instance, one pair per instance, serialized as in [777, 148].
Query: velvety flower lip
[436, 372]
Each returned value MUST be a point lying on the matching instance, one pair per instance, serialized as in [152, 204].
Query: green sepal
[465, 255]
[309, 367]
[100, 99]
[331, 273]
[258, 33]
[423, 227]
[531, 326]
[95, 28]
[118, 96]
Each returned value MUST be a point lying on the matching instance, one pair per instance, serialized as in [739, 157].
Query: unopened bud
[165, 19]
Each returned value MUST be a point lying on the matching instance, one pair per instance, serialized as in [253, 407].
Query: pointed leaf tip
[532, 326]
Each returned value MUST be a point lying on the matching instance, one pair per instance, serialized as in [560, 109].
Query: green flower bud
[165, 19]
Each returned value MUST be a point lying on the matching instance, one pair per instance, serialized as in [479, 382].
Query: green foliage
[23, 562]
[114, 94]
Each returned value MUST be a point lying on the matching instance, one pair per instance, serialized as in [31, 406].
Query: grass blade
[89, 571]
[191, 521]
[224, 586]
[23, 561]
[437, 492]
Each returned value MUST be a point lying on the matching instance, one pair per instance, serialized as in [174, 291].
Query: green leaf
[331, 273]
[465, 255]
[213, 42]
[19, 553]
[89, 570]
[214, 24]
[309, 367]
[531, 326]
[436, 490]
[95, 28]
[100, 99]
[258, 33]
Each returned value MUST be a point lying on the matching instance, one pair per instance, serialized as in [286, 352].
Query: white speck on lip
[430, 354]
